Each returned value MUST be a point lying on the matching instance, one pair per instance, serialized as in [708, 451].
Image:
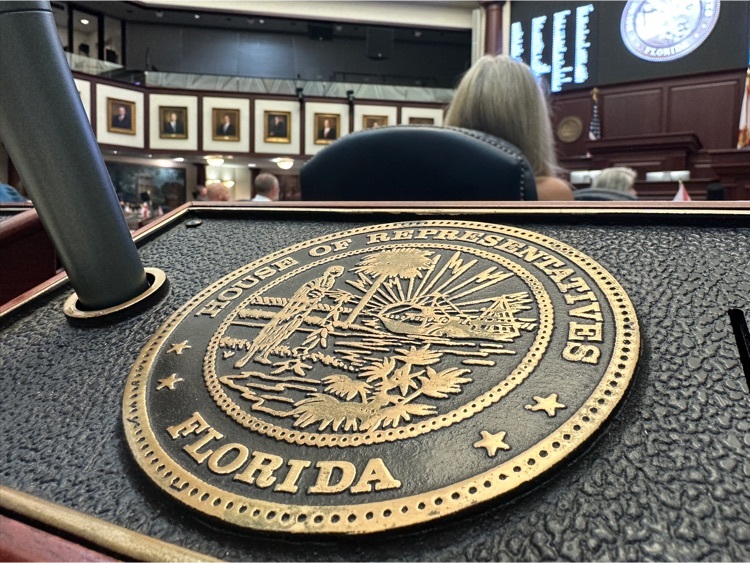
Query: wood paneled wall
[707, 106]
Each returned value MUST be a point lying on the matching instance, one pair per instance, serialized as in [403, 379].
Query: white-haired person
[501, 96]
[616, 179]
[266, 187]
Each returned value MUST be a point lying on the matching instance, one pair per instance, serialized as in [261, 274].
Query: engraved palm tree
[401, 263]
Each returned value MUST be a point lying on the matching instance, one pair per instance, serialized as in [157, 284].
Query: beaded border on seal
[406, 511]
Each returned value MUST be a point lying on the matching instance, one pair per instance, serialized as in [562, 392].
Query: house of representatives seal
[661, 31]
[380, 377]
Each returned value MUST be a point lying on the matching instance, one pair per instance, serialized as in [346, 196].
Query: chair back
[601, 194]
[418, 163]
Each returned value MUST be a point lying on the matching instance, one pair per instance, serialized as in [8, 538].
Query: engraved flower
[342, 386]
[418, 357]
[378, 370]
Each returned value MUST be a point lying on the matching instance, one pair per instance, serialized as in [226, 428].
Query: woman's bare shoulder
[549, 188]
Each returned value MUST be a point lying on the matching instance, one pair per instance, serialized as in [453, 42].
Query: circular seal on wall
[569, 129]
[380, 377]
[661, 31]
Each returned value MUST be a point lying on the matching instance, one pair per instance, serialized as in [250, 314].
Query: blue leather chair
[418, 163]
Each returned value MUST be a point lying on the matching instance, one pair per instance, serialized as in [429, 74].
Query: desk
[667, 478]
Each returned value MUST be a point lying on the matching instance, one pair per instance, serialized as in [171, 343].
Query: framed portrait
[276, 126]
[226, 124]
[421, 121]
[120, 116]
[173, 122]
[327, 128]
[372, 121]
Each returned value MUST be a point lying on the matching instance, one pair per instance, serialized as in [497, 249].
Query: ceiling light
[261, 21]
[252, 165]
[179, 159]
[214, 160]
[284, 163]
[84, 21]
[197, 16]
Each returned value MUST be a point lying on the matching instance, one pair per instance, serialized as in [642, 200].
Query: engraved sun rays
[408, 276]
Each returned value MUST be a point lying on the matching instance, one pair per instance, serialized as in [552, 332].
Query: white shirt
[260, 197]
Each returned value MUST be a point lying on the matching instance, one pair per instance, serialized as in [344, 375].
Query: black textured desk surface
[667, 479]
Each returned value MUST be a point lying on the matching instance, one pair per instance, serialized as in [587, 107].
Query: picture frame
[276, 126]
[327, 128]
[225, 124]
[421, 121]
[173, 122]
[121, 116]
[373, 121]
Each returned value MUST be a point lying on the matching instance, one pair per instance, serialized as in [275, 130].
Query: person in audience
[715, 192]
[501, 96]
[200, 193]
[217, 192]
[266, 188]
[616, 179]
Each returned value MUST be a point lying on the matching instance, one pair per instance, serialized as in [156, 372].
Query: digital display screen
[583, 44]
[555, 40]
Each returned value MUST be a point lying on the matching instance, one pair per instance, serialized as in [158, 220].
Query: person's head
[217, 191]
[618, 179]
[277, 119]
[715, 191]
[326, 123]
[267, 185]
[173, 116]
[227, 119]
[501, 96]
[122, 111]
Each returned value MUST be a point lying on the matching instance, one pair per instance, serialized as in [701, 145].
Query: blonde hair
[217, 192]
[617, 178]
[501, 96]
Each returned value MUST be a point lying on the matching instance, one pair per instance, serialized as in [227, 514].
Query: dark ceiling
[137, 12]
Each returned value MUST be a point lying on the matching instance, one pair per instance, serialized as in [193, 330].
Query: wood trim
[93, 531]
[21, 542]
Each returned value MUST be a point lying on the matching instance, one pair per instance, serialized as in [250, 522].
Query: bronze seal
[569, 129]
[380, 377]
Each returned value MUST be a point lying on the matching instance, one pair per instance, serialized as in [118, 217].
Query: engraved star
[169, 382]
[546, 404]
[492, 442]
[179, 348]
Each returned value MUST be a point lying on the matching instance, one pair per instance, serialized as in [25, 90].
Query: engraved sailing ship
[370, 356]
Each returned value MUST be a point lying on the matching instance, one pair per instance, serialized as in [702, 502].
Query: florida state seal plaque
[380, 377]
